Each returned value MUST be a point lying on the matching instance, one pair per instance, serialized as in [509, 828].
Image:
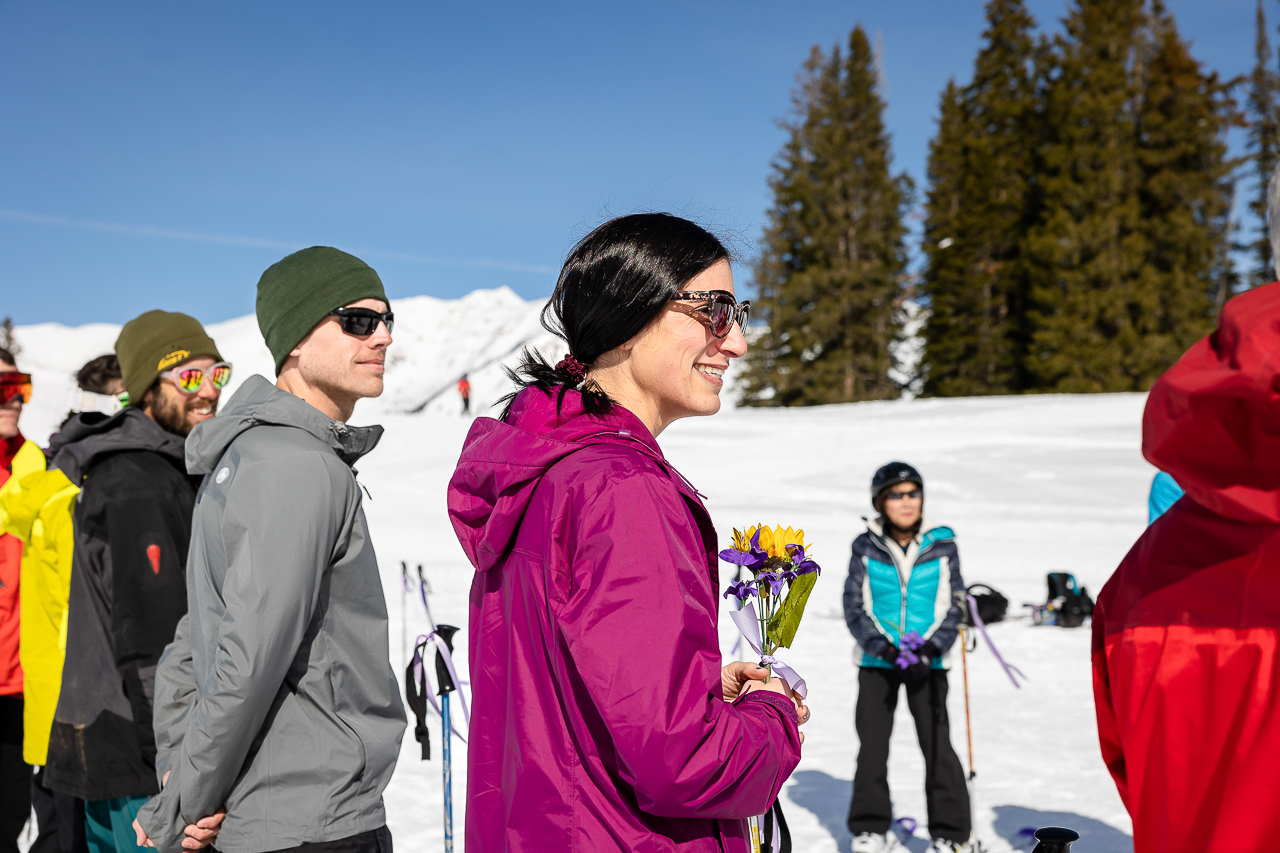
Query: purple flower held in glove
[741, 590]
[906, 658]
[911, 643]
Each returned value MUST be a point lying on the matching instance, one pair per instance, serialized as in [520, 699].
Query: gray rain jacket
[277, 698]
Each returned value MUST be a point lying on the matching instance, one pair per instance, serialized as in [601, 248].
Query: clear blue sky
[160, 154]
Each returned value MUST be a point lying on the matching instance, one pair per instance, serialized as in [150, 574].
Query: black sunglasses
[897, 496]
[721, 311]
[362, 322]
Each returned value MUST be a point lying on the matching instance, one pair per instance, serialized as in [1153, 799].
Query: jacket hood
[260, 403]
[503, 462]
[89, 436]
[1213, 419]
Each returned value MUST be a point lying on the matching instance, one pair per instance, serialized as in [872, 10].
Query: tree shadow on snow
[1095, 836]
[828, 798]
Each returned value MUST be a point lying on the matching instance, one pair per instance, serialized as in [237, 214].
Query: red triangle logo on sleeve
[153, 554]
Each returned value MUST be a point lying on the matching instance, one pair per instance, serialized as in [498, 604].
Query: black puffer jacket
[128, 591]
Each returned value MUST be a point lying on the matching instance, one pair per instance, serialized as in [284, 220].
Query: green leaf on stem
[783, 625]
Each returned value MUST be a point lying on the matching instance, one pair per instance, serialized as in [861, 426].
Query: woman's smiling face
[677, 365]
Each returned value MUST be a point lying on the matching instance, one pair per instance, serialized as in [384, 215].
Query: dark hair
[97, 375]
[7, 357]
[615, 282]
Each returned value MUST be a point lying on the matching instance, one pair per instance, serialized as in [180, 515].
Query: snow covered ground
[1030, 484]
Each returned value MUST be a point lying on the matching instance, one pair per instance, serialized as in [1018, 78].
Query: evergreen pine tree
[1185, 197]
[1263, 145]
[833, 253]
[977, 213]
[1087, 247]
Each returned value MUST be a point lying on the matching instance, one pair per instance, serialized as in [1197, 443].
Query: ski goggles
[362, 322]
[897, 496]
[88, 401]
[721, 311]
[13, 385]
[189, 380]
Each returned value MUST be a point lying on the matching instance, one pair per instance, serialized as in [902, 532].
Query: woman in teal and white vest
[902, 602]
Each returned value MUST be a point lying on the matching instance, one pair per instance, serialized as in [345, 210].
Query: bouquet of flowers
[783, 577]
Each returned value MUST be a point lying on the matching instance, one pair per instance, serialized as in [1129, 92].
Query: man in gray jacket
[276, 700]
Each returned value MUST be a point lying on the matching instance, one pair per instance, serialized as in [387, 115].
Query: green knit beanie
[155, 342]
[296, 293]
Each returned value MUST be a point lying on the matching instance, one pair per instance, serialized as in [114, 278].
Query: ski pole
[753, 823]
[447, 753]
[445, 680]
[968, 732]
[404, 613]
[423, 589]
[968, 729]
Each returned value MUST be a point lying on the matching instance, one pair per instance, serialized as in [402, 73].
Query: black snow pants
[15, 775]
[946, 794]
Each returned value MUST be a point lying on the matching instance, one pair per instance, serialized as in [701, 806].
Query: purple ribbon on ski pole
[1009, 669]
[420, 677]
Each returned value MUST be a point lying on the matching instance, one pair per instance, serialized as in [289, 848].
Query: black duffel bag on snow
[992, 606]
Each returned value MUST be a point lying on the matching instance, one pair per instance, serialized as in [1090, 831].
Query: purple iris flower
[912, 640]
[803, 565]
[741, 590]
[774, 580]
[752, 559]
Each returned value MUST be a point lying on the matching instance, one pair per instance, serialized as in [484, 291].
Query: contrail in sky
[256, 242]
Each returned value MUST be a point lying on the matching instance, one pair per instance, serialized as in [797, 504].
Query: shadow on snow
[828, 799]
[1095, 836]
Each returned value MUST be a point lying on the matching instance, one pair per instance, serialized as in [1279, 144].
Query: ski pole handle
[1055, 839]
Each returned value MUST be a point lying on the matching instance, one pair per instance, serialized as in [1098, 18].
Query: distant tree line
[1077, 228]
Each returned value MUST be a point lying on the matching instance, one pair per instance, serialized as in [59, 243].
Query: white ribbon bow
[749, 624]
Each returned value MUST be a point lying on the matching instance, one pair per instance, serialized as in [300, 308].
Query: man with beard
[132, 526]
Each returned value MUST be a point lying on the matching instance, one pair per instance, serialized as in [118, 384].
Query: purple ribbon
[749, 624]
[420, 677]
[1009, 669]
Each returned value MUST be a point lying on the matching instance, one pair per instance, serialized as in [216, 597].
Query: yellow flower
[766, 540]
[773, 540]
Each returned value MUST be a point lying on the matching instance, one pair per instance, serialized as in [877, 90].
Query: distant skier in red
[464, 391]
[1186, 634]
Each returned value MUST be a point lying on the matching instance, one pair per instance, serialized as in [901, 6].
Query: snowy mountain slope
[436, 341]
[1030, 484]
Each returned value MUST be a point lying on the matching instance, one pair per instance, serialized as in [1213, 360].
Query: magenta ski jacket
[595, 662]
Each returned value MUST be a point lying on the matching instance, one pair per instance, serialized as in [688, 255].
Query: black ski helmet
[891, 475]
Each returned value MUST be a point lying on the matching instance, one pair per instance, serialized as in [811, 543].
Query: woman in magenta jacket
[603, 718]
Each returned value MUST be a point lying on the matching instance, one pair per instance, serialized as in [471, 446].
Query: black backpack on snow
[1069, 601]
[992, 606]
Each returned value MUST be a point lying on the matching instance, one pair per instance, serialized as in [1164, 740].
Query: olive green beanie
[296, 293]
[155, 342]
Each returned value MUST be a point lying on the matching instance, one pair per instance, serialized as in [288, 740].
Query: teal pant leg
[108, 824]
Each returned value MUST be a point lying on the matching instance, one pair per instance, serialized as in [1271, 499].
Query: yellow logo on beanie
[175, 357]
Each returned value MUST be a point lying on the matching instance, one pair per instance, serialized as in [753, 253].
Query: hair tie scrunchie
[573, 367]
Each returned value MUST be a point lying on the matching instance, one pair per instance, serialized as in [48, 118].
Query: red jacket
[1186, 634]
[10, 568]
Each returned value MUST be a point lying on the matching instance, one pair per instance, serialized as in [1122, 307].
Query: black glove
[889, 654]
[918, 672]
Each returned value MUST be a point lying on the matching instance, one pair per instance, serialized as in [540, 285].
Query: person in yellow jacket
[35, 507]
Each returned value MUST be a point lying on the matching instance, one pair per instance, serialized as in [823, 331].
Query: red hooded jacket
[1186, 633]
